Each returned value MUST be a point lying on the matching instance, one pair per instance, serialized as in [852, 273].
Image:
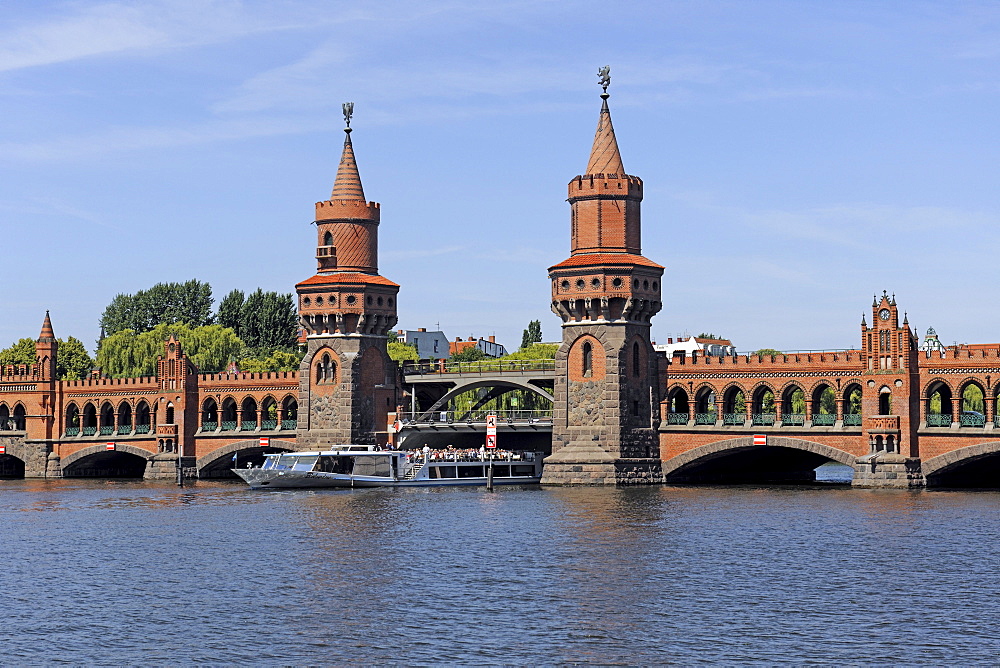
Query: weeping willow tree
[513, 400]
[972, 399]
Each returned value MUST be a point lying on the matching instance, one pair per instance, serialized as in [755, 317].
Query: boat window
[377, 465]
[522, 470]
[304, 463]
[286, 461]
[471, 472]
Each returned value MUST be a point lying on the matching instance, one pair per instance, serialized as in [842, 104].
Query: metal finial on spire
[605, 78]
[348, 112]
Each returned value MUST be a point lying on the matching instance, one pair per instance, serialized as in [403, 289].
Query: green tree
[854, 402]
[230, 311]
[268, 320]
[127, 354]
[766, 352]
[703, 335]
[470, 354]
[164, 303]
[402, 352]
[535, 351]
[533, 334]
[828, 402]
[73, 362]
[798, 401]
[972, 399]
[21, 352]
[279, 360]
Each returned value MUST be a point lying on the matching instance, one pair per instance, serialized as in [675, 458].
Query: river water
[113, 572]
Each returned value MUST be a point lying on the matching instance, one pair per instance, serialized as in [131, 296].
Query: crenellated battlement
[605, 185]
[347, 209]
[782, 362]
[139, 381]
[249, 377]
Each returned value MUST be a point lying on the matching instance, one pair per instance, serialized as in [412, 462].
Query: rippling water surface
[129, 572]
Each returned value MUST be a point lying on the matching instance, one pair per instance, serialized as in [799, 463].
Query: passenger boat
[364, 466]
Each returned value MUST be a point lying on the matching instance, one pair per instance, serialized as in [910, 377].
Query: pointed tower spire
[604, 155]
[348, 182]
[47, 334]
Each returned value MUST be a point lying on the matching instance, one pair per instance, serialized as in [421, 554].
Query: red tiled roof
[588, 259]
[347, 278]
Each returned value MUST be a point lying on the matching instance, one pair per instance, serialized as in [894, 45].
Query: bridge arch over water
[972, 466]
[218, 463]
[96, 461]
[738, 460]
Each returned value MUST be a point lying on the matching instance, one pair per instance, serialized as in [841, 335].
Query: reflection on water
[129, 572]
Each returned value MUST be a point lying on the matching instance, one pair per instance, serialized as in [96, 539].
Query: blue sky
[798, 157]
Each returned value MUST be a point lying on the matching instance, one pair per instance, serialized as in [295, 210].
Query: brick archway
[226, 452]
[69, 460]
[936, 466]
[692, 459]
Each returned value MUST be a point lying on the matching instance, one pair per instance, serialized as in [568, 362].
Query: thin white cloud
[116, 27]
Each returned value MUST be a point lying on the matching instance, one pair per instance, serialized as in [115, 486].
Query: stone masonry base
[888, 471]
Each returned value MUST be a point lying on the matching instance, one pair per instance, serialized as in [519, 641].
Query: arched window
[248, 414]
[588, 359]
[209, 415]
[289, 413]
[170, 414]
[327, 239]
[19, 417]
[142, 418]
[635, 359]
[885, 402]
[5, 417]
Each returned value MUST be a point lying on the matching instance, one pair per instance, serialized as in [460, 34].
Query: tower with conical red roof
[607, 389]
[347, 381]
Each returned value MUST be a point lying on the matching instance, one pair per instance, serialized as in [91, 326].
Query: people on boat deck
[452, 454]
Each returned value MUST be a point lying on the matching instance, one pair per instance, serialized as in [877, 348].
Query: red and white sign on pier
[491, 431]
[760, 439]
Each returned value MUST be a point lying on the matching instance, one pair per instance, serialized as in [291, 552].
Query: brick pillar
[749, 410]
[990, 403]
[779, 408]
[840, 409]
[956, 407]
[809, 410]
[719, 408]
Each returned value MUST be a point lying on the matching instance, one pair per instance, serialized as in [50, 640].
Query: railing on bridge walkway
[481, 367]
[765, 419]
[477, 418]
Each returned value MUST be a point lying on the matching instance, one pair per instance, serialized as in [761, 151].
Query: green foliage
[391, 336]
[263, 320]
[231, 311]
[402, 352]
[278, 360]
[767, 402]
[854, 402]
[935, 407]
[765, 352]
[798, 401]
[739, 402]
[164, 303]
[22, 352]
[535, 351]
[470, 354]
[972, 399]
[828, 402]
[127, 353]
[703, 335]
[531, 335]
[73, 362]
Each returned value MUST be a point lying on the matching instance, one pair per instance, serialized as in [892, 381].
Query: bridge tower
[605, 414]
[347, 382]
[890, 400]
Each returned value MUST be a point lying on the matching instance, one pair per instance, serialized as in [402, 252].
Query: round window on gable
[351, 299]
[319, 300]
[369, 300]
[595, 283]
[645, 285]
[379, 301]
[390, 301]
[306, 301]
[580, 284]
[635, 284]
[617, 282]
[655, 286]
[565, 285]
[332, 299]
